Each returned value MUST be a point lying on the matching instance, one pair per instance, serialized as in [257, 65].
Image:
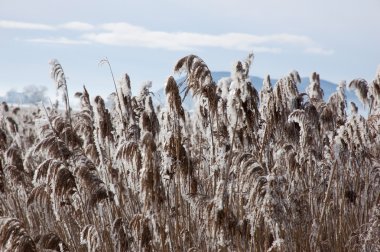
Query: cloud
[59, 40]
[77, 26]
[125, 34]
[23, 25]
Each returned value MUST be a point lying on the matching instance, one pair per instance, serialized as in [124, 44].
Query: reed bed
[246, 170]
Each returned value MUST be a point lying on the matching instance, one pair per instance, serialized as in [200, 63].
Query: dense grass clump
[246, 170]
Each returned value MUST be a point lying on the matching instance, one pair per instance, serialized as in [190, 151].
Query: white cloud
[125, 34]
[59, 40]
[23, 25]
[77, 26]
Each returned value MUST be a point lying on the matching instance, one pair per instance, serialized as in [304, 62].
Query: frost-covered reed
[248, 170]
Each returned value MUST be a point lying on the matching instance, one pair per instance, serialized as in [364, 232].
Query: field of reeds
[247, 170]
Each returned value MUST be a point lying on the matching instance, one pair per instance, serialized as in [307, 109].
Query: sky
[338, 39]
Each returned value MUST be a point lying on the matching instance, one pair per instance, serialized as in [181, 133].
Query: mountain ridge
[328, 88]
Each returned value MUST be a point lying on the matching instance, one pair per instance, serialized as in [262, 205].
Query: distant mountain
[30, 95]
[327, 86]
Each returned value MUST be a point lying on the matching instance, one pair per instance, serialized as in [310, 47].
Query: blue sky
[338, 39]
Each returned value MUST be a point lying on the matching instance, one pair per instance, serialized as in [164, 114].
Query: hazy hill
[327, 86]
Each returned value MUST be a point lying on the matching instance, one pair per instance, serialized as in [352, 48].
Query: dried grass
[275, 170]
